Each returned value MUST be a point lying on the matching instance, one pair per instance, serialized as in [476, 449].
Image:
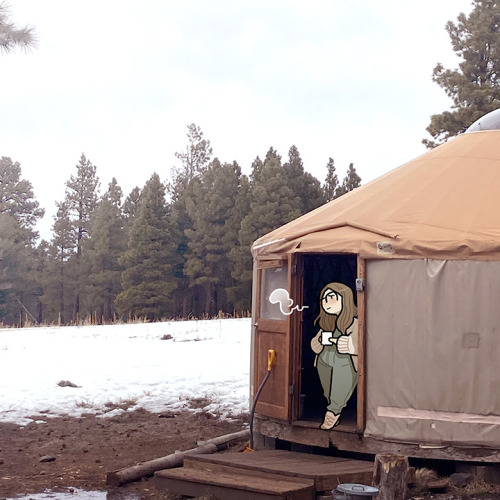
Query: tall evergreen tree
[16, 197]
[351, 181]
[474, 87]
[240, 293]
[303, 185]
[147, 280]
[40, 268]
[187, 296]
[131, 207]
[272, 204]
[331, 185]
[59, 280]
[19, 212]
[82, 191]
[193, 160]
[17, 286]
[106, 244]
[257, 168]
[212, 236]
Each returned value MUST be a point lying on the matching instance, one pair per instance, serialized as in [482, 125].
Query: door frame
[296, 273]
[290, 332]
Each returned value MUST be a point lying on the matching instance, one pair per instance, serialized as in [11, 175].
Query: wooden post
[361, 390]
[390, 476]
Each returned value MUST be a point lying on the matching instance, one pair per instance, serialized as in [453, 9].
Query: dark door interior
[320, 270]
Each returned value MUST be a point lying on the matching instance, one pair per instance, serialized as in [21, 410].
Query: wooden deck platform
[268, 474]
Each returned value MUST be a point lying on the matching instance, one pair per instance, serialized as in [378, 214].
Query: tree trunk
[39, 310]
[390, 476]
[209, 300]
[76, 310]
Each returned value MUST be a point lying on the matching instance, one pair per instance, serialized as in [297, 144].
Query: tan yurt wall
[432, 346]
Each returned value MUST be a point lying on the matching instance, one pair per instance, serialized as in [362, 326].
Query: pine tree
[106, 244]
[331, 185]
[40, 267]
[147, 280]
[16, 197]
[187, 296]
[303, 185]
[19, 212]
[351, 181]
[193, 160]
[272, 204]
[131, 207]
[211, 237]
[240, 256]
[257, 168]
[474, 87]
[240, 293]
[59, 277]
[82, 193]
[11, 36]
[16, 283]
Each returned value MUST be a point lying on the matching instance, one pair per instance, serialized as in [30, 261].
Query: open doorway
[319, 271]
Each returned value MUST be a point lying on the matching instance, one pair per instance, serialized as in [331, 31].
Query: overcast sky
[120, 80]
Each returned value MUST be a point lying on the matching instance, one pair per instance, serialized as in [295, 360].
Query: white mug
[325, 338]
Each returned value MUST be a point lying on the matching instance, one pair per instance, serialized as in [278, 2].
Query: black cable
[252, 412]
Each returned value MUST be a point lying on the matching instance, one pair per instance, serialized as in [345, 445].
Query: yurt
[376, 317]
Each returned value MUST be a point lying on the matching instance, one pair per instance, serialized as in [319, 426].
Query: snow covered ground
[124, 363]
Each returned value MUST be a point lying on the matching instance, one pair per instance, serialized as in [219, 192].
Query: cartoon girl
[336, 349]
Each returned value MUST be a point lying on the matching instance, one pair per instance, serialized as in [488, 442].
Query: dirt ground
[83, 450]
[86, 449]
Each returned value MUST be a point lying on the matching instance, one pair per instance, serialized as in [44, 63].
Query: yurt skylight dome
[490, 121]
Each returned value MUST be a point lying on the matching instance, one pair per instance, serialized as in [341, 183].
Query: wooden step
[325, 471]
[231, 485]
[267, 474]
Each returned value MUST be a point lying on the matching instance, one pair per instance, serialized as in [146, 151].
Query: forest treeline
[182, 248]
[167, 250]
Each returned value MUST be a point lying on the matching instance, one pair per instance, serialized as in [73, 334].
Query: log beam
[146, 469]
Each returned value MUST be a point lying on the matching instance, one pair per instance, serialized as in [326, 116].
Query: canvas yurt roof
[444, 204]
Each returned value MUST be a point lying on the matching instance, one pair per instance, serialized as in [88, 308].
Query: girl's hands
[316, 343]
[345, 345]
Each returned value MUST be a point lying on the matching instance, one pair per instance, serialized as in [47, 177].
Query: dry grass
[122, 404]
[476, 487]
[423, 477]
[84, 403]
[90, 320]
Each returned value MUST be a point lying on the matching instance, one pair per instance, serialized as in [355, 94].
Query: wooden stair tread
[283, 460]
[262, 475]
[326, 472]
[231, 484]
[252, 483]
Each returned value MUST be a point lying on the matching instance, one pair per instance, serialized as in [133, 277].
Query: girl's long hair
[329, 322]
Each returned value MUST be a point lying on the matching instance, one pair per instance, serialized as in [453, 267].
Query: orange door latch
[271, 359]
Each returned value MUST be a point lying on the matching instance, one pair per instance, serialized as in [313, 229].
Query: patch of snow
[120, 367]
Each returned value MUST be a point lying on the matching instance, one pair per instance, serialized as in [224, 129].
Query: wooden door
[272, 331]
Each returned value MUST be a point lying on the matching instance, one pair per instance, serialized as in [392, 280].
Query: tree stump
[390, 476]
